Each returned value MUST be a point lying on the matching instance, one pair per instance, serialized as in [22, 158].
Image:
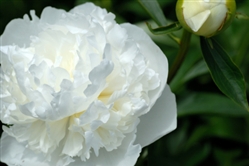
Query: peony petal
[12, 153]
[159, 121]
[198, 20]
[73, 144]
[126, 155]
[157, 60]
[50, 15]
[18, 31]
[85, 9]
[97, 77]
[215, 20]
[117, 37]
[198, 8]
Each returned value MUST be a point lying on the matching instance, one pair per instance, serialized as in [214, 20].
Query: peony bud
[205, 17]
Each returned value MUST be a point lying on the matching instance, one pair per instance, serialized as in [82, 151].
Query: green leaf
[230, 156]
[224, 72]
[197, 155]
[208, 103]
[164, 29]
[197, 70]
[154, 10]
[233, 128]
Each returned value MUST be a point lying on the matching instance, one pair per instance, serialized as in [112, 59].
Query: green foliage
[155, 11]
[241, 16]
[212, 129]
[225, 73]
[209, 122]
[164, 29]
[209, 103]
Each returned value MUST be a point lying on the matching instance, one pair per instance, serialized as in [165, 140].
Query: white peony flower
[79, 89]
[205, 17]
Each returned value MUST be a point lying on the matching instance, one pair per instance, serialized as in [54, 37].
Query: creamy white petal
[117, 37]
[21, 35]
[125, 155]
[215, 20]
[157, 60]
[84, 9]
[159, 121]
[198, 20]
[51, 15]
[97, 77]
[12, 153]
[205, 17]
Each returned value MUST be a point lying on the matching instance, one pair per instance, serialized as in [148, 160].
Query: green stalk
[183, 49]
[174, 38]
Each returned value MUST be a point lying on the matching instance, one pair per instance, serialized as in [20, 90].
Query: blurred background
[212, 130]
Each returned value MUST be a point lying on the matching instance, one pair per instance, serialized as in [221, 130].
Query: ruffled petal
[157, 60]
[19, 31]
[12, 153]
[126, 155]
[85, 9]
[50, 15]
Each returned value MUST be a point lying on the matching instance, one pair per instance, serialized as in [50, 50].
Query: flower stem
[174, 38]
[183, 49]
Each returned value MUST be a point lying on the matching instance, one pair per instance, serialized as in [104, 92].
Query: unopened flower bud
[205, 17]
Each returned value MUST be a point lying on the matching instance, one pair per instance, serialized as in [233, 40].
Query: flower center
[57, 49]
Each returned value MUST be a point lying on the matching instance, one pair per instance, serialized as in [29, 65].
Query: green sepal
[154, 10]
[164, 29]
[241, 16]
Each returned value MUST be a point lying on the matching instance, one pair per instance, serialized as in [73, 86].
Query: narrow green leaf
[164, 29]
[154, 10]
[224, 72]
[209, 103]
[197, 70]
